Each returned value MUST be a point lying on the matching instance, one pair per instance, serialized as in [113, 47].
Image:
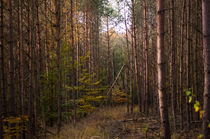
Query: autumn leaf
[197, 109]
[200, 136]
[201, 114]
[190, 99]
[197, 106]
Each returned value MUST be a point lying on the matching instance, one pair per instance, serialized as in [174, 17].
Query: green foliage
[197, 105]
[188, 93]
[190, 99]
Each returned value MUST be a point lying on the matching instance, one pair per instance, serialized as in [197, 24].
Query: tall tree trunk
[11, 61]
[181, 67]
[21, 60]
[188, 63]
[31, 67]
[129, 64]
[57, 5]
[109, 71]
[146, 60]
[2, 84]
[77, 31]
[172, 64]
[165, 128]
[136, 67]
[39, 46]
[131, 59]
[206, 56]
[196, 56]
[73, 69]
[3, 80]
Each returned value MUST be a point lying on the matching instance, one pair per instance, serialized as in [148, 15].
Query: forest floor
[115, 123]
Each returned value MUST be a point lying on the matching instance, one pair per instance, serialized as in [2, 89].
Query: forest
[105, 69]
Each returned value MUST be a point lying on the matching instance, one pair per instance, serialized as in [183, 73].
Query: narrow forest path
[112, 123]
[115, 123]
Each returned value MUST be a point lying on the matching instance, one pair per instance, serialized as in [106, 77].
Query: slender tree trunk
[22, 93]
[3, 80]
[97, 46]
[2, 84]
[86, 32]
[73, 69]
[196, 56]
[132, 71]
[109, 71]
[11, 61]
[21, 60]
[39, 46]
[165, 128]
[126, 88]
[206, 56]
[57, 5]
[172, 65]
[136, 57]
[146, 60]
[181, 67]
[46, 39]
[129, 64]
[188, 64]
[31, 67]
[78, 52]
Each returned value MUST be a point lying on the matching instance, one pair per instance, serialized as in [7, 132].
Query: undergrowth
[89, 127]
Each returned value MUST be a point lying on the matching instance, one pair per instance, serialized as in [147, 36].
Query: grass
[89, 127]
[109, 122]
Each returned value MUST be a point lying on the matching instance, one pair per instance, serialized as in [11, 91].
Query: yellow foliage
[201, 114]
[197, 109]
[14, 126]
[92, 99]
[118, 95]
[87, 108]
[200, 136]
[81, 101]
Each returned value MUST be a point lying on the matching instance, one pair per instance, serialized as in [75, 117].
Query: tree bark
[41, 71]
[3, 80]
[206, 56]
[129, 82]
[172, 65]
[11, 61]
[2, 84]
[136, 67]
[181, 67]
[188, 64]
[146, 60]
[73, 70]
[109, 71]
[58, 61]
[21, 59]
[31, 16]
[165, 128]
